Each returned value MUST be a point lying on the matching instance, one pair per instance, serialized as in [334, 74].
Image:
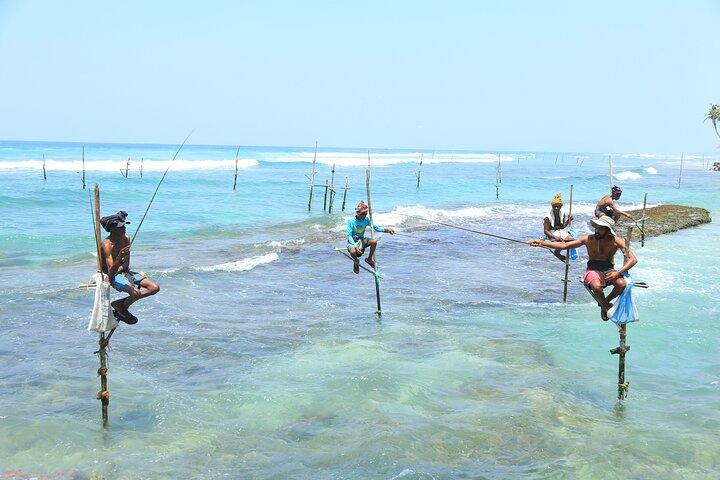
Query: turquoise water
[262, 357]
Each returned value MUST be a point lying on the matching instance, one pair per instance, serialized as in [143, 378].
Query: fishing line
[158, 187]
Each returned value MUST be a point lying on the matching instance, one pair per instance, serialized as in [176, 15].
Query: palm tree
[714, 116]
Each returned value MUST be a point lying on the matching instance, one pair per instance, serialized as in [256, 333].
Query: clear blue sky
[594, 76]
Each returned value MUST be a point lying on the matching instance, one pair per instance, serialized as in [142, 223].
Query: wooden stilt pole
[344, 195]
[236, 167]
[681, 165]
[312, 179]
[83, 165]
[612, 183]
[642, 223]
[44, 174]
[372, 236]
[623, 348]
[142, 159]
[127, 167]
[332, 189]
[497, 178]
[419, 170]
[325, 199]
[567, 253]
[103, 395]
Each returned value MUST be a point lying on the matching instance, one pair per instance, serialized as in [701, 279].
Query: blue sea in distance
[262, 356]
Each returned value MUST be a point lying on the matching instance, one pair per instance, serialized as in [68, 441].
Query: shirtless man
[357, 241]
[554, 225]
[600, 273]
[116, 264]
[607, 205]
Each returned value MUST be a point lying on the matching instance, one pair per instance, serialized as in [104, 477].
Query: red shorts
[591, 275]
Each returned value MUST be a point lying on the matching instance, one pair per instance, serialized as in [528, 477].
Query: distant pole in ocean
[681, 165]
[332, 189]
[141, 165]
[236, 167]
[344, 195]
[612, 183]
[567, 256]
[127, 168]
[325, 198]
[312, 178]
[497, 178]
[83, 166]
[419, 170]
[372, 236]
[642, 223]
[44, 174]
[103, 395]
[622, 349]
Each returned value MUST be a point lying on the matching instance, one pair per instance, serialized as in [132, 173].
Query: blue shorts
[122, 280]
[362, 244]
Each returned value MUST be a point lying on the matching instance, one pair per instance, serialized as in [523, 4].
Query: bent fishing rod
[484, 233]
[158, 187]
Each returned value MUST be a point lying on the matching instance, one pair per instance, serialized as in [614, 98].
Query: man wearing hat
[555, 224]
[357, 241]
[116, 264]
[601, 248]
[607, 205]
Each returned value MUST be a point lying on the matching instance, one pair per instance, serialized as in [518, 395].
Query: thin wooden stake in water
[103, 395]
[325, 198]
[142, 159]
[372, 236]
[332, 189]
[344, 195]
[642, 223]
[681, 162]
[623, 348]
[44, 174]
[567, 253]
[312, 178]
[497, 178]
[419, 171]
[127, 167]
[83, 165]
[612, 183]
[236, 168]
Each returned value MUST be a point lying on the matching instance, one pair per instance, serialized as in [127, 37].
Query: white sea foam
[242, 265]
[134, 166]
[627, 175]
[651, 171]
[346, 159]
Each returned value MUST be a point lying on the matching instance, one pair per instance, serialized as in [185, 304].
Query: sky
[514, 75]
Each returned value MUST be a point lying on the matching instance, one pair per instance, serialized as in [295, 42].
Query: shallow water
[262, 356]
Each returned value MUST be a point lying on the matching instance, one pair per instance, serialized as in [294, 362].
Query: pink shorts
[591, 275]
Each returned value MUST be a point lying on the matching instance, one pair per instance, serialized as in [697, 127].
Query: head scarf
[557, 200]
[361, 208]
[616, 189]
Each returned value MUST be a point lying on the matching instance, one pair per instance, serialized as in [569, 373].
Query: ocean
[262, 355]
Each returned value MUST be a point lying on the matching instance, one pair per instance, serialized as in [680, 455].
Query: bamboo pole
[332, 189]
[236, 168]
[103, 395]
[372, 236]
[567, 254]
[44, 174]
[344, 195]
[681, 165]
[642, 223]
[83, 166]
[312, 179]
[419, 171]
[623, 348]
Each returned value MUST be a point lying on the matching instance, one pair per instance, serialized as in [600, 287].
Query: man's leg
[356, 253]
[371, 254]
[596, 290]
[619, 288]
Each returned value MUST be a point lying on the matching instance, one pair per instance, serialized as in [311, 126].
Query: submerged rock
[665, 219]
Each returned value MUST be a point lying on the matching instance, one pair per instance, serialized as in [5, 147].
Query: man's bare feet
[603, 314]
[356, 266]
[558, 255]
[370, 262]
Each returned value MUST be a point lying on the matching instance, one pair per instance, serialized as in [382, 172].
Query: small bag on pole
[102, 318]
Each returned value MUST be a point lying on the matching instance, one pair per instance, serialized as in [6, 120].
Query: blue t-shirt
[356, 229]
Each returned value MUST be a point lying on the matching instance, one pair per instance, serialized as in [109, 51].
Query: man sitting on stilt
[357, 241]
[600, 273]
[116, 264]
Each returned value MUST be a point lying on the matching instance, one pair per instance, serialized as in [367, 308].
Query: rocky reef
[665, 219]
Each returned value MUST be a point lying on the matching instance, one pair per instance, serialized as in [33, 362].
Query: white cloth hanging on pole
[102, 318]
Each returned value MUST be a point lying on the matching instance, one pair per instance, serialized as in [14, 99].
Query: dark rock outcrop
[665, 219]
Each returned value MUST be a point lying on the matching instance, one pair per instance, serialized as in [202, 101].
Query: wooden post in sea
[142, 159]
[612, 183]
[419, 170]
[312, 178]
[103, 395]
[681, 162]
[497, 178]
[623, 348]
[83, 166]
[567, 253]
[332, 189]
[372, 236]
[642, 223]
[236, 168]
[44, 174]
[325, 199]
[127, 167]
[344, 195]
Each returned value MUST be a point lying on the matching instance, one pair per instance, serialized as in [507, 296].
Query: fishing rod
[478, 231]
[158, 187]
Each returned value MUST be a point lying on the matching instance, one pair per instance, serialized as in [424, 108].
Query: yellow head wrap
[557, 200]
